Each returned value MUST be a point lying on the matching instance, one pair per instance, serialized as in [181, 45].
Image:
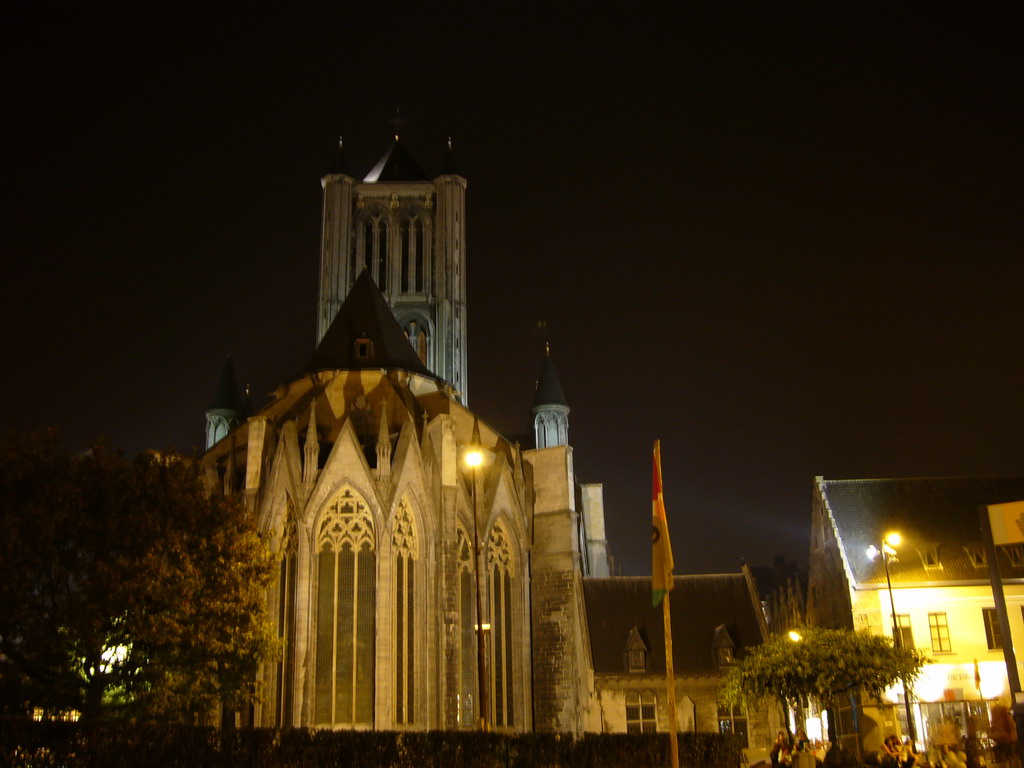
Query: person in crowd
[802, 743]
[950, 758]
[1003, 731]
[781, 750]
[889, 756]
[908, 757]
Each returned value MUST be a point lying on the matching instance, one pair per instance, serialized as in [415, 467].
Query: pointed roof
[227, 396]
[396, 165]
[449, 163]
[365, 335]
[549, 389]
[339, 163]
[929, 512]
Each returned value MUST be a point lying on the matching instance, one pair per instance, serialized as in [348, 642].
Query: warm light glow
[936, 679]
[893, 539]
[795, 636]
[474, 458]
[485, 628]
[813, 728]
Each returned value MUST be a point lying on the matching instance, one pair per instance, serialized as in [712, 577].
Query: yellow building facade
[938, 584]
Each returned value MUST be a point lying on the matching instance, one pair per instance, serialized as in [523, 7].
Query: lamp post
[888, 550]
[474, 458]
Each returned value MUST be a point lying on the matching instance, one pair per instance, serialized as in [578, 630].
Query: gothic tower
[409, 231]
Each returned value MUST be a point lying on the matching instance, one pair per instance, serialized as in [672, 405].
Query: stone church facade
[416, 590]
[398, 562]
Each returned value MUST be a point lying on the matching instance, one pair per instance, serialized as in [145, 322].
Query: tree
[126, 589]
[824, 664]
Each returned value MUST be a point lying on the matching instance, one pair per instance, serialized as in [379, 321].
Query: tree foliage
[125, 587]
[824, 664]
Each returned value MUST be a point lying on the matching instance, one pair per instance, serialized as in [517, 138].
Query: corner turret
[550, 410]
[227, 410]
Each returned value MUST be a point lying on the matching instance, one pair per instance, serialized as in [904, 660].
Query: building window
[499, 603]
[930, 556]
[416, 333]
[906, 636]
[636, 652]
[345, 607]
[364, 349]
[1015, 552]
[993, 632]
[976, 554]
[404, 542]
[374, 249]
[413, 245]
[285, 672]
[724, 656]
[733, 720]
[467, 638]
[640, 712]
[940, 632]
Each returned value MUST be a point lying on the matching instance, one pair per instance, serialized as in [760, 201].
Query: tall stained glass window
[345, 607]
[405, 553]
[499, 570]
[285, 619]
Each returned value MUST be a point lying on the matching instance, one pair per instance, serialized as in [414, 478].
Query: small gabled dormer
[724, 646]
[1015, 554]
[635, 655]
[929, 553]
[976, 554]
[363, 348]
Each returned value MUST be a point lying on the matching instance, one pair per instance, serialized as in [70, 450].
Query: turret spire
[550, 409]
[311, 450]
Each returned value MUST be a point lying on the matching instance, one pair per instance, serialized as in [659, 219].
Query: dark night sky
[786, 239]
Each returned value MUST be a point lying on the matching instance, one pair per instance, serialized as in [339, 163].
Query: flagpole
[670, 682]
[662, 581]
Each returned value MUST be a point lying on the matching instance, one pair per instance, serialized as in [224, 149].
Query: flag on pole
[661, 547]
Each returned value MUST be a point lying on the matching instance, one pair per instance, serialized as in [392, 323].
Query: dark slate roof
[227, 396]
[941, 511]
[365, 314]
[549, 389]
[396, 165]
[700, 605]
[339, 163]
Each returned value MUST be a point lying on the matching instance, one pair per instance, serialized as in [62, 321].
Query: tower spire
[311, 450]
[550, 409]
[383, 444]
[397, 122]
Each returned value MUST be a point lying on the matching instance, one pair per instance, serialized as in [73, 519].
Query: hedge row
[122, 745]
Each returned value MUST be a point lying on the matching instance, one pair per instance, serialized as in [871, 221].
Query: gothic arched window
[467, 635]
[405, 553]
[499, 599]
[345, 607]
[416, 333]
[373, 246]
[285, 616]
[413, 245]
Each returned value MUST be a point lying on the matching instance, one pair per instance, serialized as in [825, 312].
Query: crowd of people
[798, 752]
[946, 750]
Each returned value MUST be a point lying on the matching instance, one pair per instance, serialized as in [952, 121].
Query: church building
[431, 572]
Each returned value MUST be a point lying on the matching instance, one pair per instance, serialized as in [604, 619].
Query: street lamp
[474, 457]
[888, 552]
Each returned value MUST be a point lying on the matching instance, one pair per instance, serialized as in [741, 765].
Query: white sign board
[1007, 522]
